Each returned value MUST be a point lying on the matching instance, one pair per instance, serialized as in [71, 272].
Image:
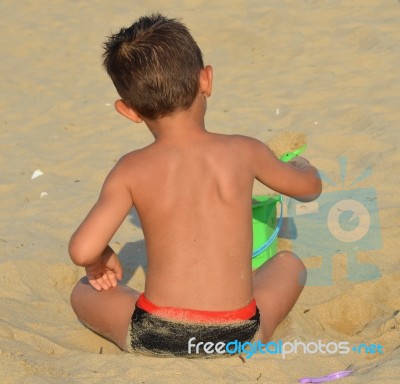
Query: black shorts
[150, 334]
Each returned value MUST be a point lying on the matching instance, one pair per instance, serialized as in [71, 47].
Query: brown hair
[154, 65]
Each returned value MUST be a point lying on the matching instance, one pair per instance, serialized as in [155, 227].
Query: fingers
[112, 279]
[100, 282]
[94, 283]
[105, 281]
[105, 274]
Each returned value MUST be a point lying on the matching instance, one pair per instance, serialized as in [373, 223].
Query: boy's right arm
[88, 246]
[297, 178]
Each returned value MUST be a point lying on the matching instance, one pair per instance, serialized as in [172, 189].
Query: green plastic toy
[266, 226]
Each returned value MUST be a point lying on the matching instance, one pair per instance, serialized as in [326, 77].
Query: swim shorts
[166, 331]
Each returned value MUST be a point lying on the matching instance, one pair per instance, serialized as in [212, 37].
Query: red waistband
[196, 315]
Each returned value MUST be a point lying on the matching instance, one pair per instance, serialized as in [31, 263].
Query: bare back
[194, 202]
[193, 195]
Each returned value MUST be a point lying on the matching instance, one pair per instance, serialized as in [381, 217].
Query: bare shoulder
[243, 142]
[124, 169]
[250, 146]
[134, 167]
[252, 143]
[132, 160]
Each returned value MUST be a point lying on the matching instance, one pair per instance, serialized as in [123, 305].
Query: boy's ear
[206, 77]
[122, 108]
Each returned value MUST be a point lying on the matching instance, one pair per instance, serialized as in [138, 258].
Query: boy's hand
[106, 272]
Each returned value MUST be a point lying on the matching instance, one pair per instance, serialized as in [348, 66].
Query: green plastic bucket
[265, 228]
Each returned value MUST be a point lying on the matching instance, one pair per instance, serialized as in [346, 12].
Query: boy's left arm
[88, 246]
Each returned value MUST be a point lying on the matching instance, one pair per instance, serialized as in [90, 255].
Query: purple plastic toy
[322, 379]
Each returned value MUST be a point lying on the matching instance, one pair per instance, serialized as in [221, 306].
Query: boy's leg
[276, 287]
[107, 313]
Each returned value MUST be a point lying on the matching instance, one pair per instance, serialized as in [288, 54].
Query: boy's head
[155, 66]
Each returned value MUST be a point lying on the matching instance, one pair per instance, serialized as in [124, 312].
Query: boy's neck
[178, 126]
[176, 130]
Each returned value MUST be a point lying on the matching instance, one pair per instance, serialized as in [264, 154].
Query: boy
[199, 284]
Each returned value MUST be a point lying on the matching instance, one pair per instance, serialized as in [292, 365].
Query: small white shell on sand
[36, 174]
[43, 194]
[277, 111]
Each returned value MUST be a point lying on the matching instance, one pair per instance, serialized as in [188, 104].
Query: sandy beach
[326, 69]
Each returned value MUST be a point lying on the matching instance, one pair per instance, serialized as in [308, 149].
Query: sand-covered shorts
[168, 331]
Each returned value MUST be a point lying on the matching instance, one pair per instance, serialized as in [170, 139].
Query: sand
[327, 69]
